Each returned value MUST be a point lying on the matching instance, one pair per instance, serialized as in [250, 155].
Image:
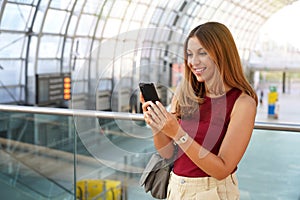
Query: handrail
[294, 127]
[72, 112]
[277, 126]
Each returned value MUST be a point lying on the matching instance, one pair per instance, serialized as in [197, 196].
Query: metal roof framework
[110, 44]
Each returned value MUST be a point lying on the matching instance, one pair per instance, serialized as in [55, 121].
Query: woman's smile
[198, 71]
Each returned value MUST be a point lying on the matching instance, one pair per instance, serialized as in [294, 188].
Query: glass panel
[171, 4]
[36, 156]
[84, 45]
[11, 71]
[66, 57]
[129, 144]
[16, 17]
[100, 28]
[66, 4]
[148, 15]
[157, 16]
[185, 22]
[72, 25]
[81, 88]
[246, 3]
[86, 25]
[171, 18]
[82, 65]
[11, 45]
[269, 154]
[48, 66]
[139, 12]
[119, 9]
[224, 6]
[29, 2]
[52, 25]
[192, 6]
[209, 12]
[107, 9]
[11, 94]
[125, 26]
[50, 46]
[78, 8]
[214, 3]
[38, 21]
[111, 28]
[163, 4]
[32, 55]
[130, 11]
[134, 26]
[93, 6]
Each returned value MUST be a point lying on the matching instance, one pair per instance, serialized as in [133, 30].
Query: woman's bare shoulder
[245, 103]
[246, 99]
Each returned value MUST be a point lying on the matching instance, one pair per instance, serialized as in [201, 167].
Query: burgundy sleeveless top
[208, 127]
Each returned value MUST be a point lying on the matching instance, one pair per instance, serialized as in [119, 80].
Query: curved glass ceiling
[108, 44]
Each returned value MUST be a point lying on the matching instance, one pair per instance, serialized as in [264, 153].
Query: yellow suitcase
[96, 189]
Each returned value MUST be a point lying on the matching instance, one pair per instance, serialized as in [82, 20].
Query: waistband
[202, 182]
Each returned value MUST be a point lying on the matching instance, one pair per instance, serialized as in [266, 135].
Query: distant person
[261, 97]
[211, 119]
[276, 111]
[133, 103]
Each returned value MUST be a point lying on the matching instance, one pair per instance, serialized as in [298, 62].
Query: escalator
[20, 181]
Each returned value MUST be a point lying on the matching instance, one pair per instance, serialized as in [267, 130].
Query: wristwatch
[182, 139]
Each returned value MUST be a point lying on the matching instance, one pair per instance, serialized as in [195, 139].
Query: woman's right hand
[163, 143]
[146, 109]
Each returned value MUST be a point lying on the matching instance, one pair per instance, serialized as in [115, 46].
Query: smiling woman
[211, 119]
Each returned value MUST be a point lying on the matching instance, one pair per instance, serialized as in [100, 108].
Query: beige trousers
[204, 188]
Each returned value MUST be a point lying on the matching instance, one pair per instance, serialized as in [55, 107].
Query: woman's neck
[213, 95]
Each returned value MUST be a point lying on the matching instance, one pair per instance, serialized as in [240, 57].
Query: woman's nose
[195, 60]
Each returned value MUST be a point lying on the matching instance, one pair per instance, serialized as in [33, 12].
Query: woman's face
[199, 60]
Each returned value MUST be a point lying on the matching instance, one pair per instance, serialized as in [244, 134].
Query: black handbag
[155, 177]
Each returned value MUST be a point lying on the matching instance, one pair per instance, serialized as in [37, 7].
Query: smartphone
[149, 92]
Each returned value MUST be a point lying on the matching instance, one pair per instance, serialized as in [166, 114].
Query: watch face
[183, 139]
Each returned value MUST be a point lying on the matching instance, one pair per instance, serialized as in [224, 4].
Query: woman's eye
[189, 55]
[202, 53]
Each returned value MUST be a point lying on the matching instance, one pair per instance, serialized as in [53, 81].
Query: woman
[211, 120]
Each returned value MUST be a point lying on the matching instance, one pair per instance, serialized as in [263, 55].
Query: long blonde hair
[217, 40]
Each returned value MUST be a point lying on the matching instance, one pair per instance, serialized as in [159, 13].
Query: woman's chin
[200, 79]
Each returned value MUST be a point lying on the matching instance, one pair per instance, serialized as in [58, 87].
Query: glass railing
[52, 153]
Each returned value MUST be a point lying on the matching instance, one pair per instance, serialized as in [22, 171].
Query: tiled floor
[289, 109]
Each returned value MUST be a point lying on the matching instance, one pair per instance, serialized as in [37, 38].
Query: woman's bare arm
[232, 148]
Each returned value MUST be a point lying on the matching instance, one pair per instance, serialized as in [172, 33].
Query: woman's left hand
[160, 119]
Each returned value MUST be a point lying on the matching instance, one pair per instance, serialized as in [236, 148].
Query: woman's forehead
[194, 44]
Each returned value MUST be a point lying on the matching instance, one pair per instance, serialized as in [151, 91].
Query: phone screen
[149, 92]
